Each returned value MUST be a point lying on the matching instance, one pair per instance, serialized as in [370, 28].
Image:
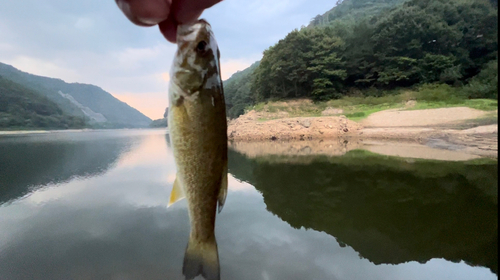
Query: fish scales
[198, 134]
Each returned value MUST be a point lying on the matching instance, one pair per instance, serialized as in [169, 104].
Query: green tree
[381, 44]
[326, 67]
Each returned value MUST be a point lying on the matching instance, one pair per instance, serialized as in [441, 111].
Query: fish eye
[200, 47]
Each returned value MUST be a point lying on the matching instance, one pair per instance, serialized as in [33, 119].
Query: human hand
[166, 13]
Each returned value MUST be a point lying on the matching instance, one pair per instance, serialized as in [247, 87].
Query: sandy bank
[20, 132]
[251, 127]
[425, 127]
[428, 117]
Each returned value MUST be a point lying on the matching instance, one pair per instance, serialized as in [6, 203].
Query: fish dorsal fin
[221, 198]
[177, 193]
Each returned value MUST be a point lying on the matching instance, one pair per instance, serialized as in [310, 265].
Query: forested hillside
[21, 107]
[386, 47]
[237, 91]
[349, 11]
[163, 122]
[99, 108]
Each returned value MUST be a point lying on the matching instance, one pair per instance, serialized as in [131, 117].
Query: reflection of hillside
[30, 163]
[387, 209]
[338, 147]
[334, 147]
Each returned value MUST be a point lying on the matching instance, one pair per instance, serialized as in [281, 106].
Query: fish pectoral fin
[221, 198]
[177, 193]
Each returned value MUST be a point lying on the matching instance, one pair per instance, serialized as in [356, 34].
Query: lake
[93, 205]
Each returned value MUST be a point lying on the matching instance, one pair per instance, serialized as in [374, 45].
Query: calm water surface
[92, 205]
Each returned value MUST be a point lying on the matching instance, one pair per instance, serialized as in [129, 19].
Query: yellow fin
[223, 189]
[177, 193]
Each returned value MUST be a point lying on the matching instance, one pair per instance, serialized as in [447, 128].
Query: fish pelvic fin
[201, 258]
[177, 193]
[221, 198]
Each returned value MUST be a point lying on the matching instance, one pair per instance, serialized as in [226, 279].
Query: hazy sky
[92, 42]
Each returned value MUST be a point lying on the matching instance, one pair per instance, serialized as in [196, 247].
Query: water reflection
[28, 162]
[389, 210]
[115, 224]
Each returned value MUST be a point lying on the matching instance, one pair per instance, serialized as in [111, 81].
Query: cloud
[231, 66]
[40, 66]
[84, 23]
[92, 42]
[139, 58]
[4, 47]
[151, 104]
[165, 76]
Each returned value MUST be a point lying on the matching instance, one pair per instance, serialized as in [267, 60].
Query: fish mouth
[189, 31]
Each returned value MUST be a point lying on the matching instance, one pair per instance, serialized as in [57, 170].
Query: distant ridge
[99, 108]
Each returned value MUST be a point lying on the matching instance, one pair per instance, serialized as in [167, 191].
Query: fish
[197, 127]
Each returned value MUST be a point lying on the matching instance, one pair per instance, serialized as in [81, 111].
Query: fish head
[196, 64]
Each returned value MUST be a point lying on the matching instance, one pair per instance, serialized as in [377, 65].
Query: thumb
[145, 12]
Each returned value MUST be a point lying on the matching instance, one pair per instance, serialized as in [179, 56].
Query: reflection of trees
[167, 138]
[26, 164]
[387, 209]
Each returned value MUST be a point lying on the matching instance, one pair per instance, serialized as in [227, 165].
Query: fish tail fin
[201, 258]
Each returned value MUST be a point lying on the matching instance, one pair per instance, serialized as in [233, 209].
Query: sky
[92, 42]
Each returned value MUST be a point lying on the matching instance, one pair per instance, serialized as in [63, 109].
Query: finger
[145, 12]
[169, 30]
[189, 10]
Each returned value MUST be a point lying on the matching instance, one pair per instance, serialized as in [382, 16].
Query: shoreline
[443, 131]
[306, 151]
[22, 132]
[460, 132]
[422, 143]
[27, 132]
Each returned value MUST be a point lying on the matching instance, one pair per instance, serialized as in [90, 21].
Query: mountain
[237, 91]
[98, 107]
[373, 47]
[21, 107]
[163, 122]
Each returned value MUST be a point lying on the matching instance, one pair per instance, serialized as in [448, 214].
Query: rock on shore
[252, 126]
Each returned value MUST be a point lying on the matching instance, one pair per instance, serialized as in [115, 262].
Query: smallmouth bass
[198, 135]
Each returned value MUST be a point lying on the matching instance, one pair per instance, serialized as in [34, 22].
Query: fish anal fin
[221, 198]
[176, 194]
